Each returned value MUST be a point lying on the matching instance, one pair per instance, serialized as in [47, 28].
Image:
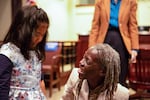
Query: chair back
[56, 60]
[139, 73]
[50, 55]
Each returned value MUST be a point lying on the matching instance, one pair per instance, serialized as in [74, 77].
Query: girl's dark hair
[27, 19]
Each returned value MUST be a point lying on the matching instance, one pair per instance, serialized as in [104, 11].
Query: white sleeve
[122, 93]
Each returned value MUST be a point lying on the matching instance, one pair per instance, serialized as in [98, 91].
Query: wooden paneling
[82, 46]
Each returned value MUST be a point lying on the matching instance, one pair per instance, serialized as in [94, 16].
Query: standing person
[115, 23]
[97, 76]
[21, 55]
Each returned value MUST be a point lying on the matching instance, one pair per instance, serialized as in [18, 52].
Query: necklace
[115, 1]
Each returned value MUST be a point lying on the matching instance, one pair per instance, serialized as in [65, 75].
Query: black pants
[114, 39]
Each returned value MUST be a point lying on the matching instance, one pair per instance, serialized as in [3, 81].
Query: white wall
[83, 19]
[5, 17]
[143, 13]
[60, 23]
[67, 20]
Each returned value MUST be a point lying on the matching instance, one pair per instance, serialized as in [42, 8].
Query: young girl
[21, 55]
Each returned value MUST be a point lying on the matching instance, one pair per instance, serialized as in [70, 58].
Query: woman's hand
[133, 56]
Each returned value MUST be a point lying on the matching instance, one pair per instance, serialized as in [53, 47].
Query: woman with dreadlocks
[97, 76]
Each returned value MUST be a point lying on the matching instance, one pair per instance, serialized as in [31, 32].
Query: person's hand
[133, 56]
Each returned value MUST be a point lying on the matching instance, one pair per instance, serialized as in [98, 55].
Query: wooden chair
[139, 75]
[54, 72]
[51, 67]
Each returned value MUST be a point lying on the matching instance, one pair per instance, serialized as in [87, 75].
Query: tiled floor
[56, 94]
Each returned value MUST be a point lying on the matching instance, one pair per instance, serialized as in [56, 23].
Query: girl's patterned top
[26, 74]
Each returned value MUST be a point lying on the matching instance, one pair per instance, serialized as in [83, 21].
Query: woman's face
[88, 67]
[38, 34]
